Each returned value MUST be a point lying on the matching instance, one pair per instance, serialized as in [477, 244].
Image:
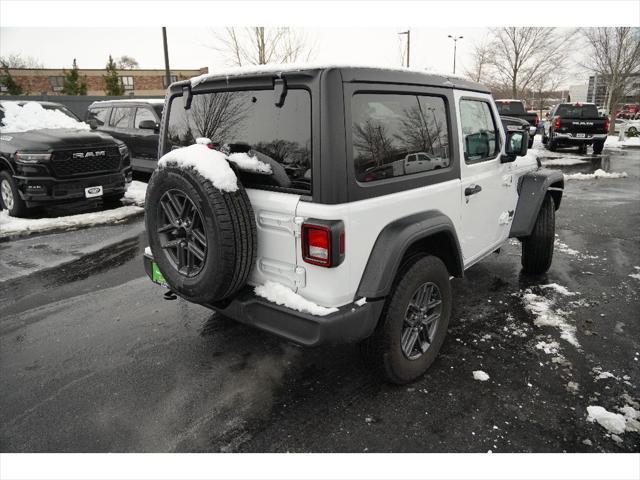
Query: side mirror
[517, 145]
[149, 125]
[93, 124]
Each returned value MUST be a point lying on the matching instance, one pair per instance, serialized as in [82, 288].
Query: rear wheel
[582, 148]
[597, 147]
[545, 139]
[537, 248]
[414, 322]
[10, 197]
[552, 144]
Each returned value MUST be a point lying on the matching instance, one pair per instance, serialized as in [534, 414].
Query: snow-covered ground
[133, 205]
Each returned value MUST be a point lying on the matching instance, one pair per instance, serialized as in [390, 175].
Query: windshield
[510, 108]
[577, 111]
[249, 122]
[65, 110]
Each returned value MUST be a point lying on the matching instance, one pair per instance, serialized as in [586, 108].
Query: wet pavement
[93, 359]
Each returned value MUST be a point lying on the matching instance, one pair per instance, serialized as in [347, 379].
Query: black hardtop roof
[349, 74]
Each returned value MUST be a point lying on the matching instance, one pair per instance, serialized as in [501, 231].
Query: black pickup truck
[575, 124]
[516, 109]
[48, 156]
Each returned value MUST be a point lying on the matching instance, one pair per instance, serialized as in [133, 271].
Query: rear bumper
[349, 324]
[572, 139]
[43, 190]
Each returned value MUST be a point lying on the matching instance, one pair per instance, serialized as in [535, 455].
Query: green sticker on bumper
[156, 275]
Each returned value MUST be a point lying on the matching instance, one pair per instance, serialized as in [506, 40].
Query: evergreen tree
[7, 80]
[112, 84]
[72, 84]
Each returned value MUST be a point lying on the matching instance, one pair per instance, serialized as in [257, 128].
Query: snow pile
[632, 142]
[24, 226]
[542, 308]
[563, 162]
[32, 116]
[135, 193]
[250, 164]
[480, 375]
[595, 175]
[559, 289]
[209, 163]
[550, 348]
[615, 423]
[635, 275]
[281, 295]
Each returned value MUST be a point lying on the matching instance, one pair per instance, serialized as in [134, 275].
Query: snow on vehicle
[359, 247]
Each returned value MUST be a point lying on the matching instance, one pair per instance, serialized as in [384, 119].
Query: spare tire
[203, 239]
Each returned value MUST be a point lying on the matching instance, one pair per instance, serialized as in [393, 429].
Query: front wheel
[414, 322]
[10, 197]
[537, 248]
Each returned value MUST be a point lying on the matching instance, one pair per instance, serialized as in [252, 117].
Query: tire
[10, 197]
[552, 144]
[384, 348]
[531, 142]
[597, 147]
[545, 139]
[537, 248]
[582, 148]
[210, 259]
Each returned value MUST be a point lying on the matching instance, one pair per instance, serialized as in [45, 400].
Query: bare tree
[17, 60]
[482, 62]
[521, 55]
[614, 54]
[125, 62]
[261, 45]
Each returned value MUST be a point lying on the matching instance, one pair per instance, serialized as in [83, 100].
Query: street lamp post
[408, 34]
[167, 71]
[455, 44]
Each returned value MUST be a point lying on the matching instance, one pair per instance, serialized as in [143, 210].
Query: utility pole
[167, 71]
[408, 34]
[455, 44]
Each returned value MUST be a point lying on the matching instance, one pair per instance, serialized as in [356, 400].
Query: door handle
[472, 190]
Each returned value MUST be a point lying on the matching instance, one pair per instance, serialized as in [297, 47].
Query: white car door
[488, 192]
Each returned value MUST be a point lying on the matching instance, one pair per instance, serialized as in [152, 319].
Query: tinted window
[249, 122]
[143, 114]
[98, 114]
[479, 132]
[577, 111]
[63, 109]
[510, 108]
[120, 117]
[396, 135]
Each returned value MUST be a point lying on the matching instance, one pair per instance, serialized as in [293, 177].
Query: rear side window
[396, 135]
[120, 117]
[143, 114]
[248, 121]
[100, 115]
[479, 132]
[577, 111]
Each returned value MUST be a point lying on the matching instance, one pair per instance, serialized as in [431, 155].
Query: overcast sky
[191, 47]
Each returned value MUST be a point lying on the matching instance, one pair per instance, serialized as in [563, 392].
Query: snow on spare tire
[200, 223]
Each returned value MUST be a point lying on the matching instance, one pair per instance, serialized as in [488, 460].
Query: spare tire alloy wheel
[421, 320]
[181, 232]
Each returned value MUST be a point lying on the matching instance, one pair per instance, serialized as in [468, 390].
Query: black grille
[65, 165]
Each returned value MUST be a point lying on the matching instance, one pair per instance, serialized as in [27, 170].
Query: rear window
[577, 111]
[248, 121]
[510, 108]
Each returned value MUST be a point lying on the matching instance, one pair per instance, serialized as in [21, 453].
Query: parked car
[628, 111]
[348, 257]
[134, 121]
[48, 156]
[577, 124]
[516, 109]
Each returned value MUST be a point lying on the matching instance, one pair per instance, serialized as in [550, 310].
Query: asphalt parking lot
[92, 358]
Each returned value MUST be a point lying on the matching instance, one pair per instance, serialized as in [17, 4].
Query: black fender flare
[395, 240]
[532, 189]
[6, 165]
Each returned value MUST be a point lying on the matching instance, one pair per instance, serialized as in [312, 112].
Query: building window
[56, 83]
[174, 78]
[127, 82]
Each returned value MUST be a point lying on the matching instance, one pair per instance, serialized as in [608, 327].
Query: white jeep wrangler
[329, 241]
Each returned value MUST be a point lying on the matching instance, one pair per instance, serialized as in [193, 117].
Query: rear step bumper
[349, 324]
[588, 138]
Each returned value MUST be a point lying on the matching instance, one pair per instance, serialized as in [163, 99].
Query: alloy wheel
[7, 194]
[181, 232]
[421, 320]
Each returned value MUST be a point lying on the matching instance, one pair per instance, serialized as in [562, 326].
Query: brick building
[138, 82]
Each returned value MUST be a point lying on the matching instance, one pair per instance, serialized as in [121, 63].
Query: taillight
[535, 120]
[606, 125]
[556, 123]
[323, 242]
